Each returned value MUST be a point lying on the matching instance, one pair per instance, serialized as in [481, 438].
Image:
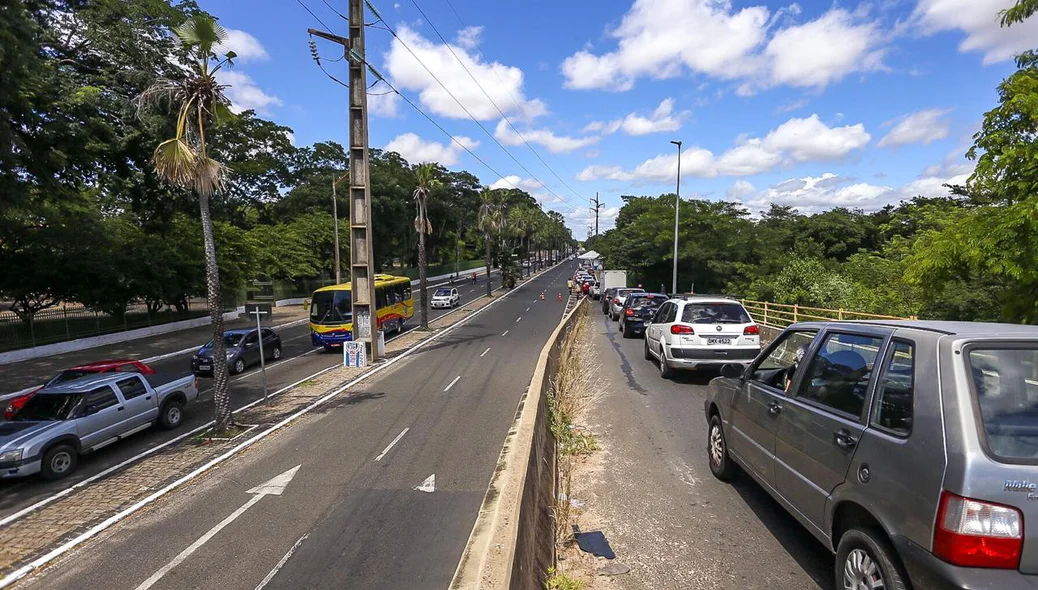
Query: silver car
[910, 449]
[616, 306]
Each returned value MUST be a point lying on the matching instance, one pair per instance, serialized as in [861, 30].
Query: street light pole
[677, 210]
[335, 215]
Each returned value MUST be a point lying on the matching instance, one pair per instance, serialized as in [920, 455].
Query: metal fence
[781, 315]
[72, 321]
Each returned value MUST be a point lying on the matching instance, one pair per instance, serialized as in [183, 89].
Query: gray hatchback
[910, 449]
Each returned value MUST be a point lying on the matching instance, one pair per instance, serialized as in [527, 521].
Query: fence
[71, 321]
[781, 315]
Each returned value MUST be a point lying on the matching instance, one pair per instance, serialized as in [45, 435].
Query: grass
[557, 580]
[232, 432]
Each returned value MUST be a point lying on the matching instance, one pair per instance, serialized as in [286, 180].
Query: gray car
[910, 449]
[59, 423]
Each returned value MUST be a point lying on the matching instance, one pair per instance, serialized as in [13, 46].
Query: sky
[811, 104]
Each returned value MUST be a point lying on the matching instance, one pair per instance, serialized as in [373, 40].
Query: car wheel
[172, 415]
[665, 371]
[648, 353]
[58, 462]
[626, 331]
[276, 354]
[239, 366]
[721, 464]
[865, 559]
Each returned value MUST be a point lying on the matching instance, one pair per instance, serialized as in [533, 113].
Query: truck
[613, 278]
[61, 422]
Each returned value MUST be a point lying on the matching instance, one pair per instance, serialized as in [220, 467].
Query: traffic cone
[542, 296]
[560, 296]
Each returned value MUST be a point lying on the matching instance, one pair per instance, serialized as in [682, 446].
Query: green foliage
[557, 580]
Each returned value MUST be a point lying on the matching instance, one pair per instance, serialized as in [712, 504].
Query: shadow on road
[349, 400]
[812, 556]
[625, 365]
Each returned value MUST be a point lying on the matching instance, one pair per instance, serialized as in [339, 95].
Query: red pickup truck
[121, 366]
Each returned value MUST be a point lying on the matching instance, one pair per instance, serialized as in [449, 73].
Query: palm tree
[184, 161]
[426, 182]
[489, 221]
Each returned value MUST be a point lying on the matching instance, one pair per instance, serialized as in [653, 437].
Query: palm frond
[160, 92]
[175, 162]
[201, 31]
[209, 176]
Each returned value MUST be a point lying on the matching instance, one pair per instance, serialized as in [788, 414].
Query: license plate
[723, 341]
[204, 367]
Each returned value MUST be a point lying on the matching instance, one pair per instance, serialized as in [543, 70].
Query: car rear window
[442, 293]
[714, 313]
[1005, 385]
[640, 302]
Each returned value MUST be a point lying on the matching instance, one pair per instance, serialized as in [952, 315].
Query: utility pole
[677, 210]
[362, 260]
[335, 214]
[597, 207]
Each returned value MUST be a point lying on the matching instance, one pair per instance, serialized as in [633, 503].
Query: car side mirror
[733, 371]
[306, 305]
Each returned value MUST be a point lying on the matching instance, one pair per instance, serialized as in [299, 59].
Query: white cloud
[668, 38]
[979, 20]
[924, 127]
[534, 187]
[796, 140]
[245, 45]
[661, 120]
[469, 37]
[503, 83]
[592, 154]
[581, 218]
[383, 105]
[740, 190]
[414, 149]
[954, 164]
[244, 94]
[556, 144]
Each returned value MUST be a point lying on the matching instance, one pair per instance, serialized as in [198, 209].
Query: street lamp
[335, 215]
[677, 209]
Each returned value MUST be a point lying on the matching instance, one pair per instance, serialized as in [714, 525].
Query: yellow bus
[331, 315]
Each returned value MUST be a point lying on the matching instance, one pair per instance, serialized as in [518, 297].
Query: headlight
[230, 355]
[15, 455]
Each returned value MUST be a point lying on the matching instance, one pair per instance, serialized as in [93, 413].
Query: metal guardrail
[781, 315]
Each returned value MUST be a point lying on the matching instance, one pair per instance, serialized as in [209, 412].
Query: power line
[463, 107]
[486, 94]
[307, 8]
[341, 15]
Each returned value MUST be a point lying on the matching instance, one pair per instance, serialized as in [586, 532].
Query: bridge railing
[781, 315]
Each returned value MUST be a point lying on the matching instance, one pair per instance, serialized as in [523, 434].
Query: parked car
[637, 312]
[700, 332]
[110, 366]
[907, 448]
[607, 298]
[617, 302]
[596, 291]
[61, 422]
[242, 348]
[445, 297]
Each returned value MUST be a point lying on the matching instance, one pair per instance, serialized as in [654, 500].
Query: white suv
[445, 297]
[695, 332]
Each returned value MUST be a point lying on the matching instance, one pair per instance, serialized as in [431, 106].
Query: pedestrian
[663, 288]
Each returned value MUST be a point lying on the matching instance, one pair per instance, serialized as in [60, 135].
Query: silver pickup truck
[60, 423]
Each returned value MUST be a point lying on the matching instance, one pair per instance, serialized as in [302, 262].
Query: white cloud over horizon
[414, 149]
[926, 126]
[979, 20]
[660, 120]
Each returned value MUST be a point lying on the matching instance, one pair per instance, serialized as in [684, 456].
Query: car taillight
[628, 312]
[680, 329]
[751, 330]
[616, 300]
[971, 533]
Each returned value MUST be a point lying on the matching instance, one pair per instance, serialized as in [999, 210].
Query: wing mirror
[733, 371]
[306, 305]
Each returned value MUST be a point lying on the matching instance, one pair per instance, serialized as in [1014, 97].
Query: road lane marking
[527, 309]
[485, 352]
[453, 382]
[428, 486]
[281, 563]
[518, 319]
[390, 446]
[274, 487]
[506, 333]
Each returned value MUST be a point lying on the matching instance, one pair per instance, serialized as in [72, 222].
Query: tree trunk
[422, 281]
[221, 399]
[489, 288]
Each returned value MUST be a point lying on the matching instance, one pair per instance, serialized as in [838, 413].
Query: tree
[426, 182]
[183, 161]
[489, 221]
[1023, 9]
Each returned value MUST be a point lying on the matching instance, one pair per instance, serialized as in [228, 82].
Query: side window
[380, 297]
[99, 399]
[661, 313]
[407, 291]
[132, 387]
[838, 376]
[672, 314]
[778, 368]
[398, 293]
[267, 333]
[252, 338]
[892, 408]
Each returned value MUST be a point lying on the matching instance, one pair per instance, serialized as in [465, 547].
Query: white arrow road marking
[274, 487]
[452, 383]
[390, 446]
[428, 486]
[281, 564]
[484, 352]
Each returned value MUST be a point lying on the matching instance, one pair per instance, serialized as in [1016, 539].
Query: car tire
[721, 464]
[865, 554]
[276, 353]
[648, 353]
[239, 366]
[665, 371]
[58, 462]
[626, 331]
[171, 415]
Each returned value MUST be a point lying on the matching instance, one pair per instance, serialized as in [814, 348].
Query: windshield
[229, 341]
[66, 375]
[646, 302]
[715, 313]
[331, 307]
[48, 406]
[1005, 384]
[442, 293]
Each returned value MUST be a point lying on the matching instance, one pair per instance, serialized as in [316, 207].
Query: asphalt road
[299, 360]
[351, 516]
[654, 497]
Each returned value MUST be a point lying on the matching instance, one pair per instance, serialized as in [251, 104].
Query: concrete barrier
[512, 543]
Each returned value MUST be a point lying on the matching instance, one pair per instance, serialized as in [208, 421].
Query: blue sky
[811, 104]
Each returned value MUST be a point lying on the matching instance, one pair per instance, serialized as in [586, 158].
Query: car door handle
[843, 439]
[147, 398]
[119, 409]
[774, 408]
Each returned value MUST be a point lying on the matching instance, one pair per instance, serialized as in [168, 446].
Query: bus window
[398, 293]
[380, 297]
[407, 290]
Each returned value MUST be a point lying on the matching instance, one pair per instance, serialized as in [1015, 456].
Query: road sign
[354, 354]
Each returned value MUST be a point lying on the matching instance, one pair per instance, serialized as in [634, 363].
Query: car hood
[14, 434]
[207, 353]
